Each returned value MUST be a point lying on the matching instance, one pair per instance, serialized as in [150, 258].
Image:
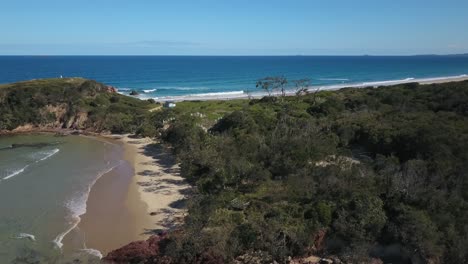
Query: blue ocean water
[162, 76]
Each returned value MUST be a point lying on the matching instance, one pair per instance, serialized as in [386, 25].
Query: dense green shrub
[376, 168]
[26, 103]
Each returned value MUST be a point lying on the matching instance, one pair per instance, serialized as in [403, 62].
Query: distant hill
[68, 103]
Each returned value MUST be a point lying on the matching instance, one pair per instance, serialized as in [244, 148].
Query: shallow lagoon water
[44, 184]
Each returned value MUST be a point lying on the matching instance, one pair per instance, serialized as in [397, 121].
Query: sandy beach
[158, 181]
[142, 196]
[260, 94]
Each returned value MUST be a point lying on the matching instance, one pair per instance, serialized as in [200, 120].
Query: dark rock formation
[133, 92]
[137, 252]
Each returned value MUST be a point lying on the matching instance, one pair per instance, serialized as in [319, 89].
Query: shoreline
[158, 181]
[130, 202]
[151, 190]
[142, 195]
[232, 95]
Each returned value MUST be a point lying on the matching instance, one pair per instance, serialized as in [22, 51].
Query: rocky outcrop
[319, 240]
[23, 128]
[145, 251]
[255, 257]
[79, 121]
[53, 104]
[111, 89]
[330, 260]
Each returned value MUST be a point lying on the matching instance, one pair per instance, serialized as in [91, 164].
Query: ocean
[162, 77]
[44, 185]
[45, 180]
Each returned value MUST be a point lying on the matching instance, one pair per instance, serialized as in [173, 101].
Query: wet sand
[115, 216]
[140, 197]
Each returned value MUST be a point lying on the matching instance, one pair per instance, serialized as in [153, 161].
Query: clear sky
[233, 27]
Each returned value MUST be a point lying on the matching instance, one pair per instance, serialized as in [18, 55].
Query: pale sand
[140, 197]
[443, 80]
[115, 215]
[160, 185]
[260, 94]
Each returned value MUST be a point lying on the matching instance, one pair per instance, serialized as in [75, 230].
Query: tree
[302, 86]
[271, 84]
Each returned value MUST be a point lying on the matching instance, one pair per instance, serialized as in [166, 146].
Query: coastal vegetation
[359, 175]
[73, 103]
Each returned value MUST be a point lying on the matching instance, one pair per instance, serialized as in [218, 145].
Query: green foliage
[417, 230]
[44, 102]
[372, 167]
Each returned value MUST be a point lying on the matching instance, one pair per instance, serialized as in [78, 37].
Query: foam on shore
[77, 208]
[14, 173]
[44, 156]
[26, 235]
[258, 94]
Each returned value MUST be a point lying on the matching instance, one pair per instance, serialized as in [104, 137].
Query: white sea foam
[204, 96]
[334, 79]
[387, 82]
[150, 90]
[94, 252]
[25, 235]
[48, 154]
[259, 94]
[220, 94]
[123, 89]
[16, 172]
[181, 88]
[77, 207]
[442, 78]
[43, 156]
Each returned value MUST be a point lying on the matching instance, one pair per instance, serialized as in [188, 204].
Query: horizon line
[201, 55]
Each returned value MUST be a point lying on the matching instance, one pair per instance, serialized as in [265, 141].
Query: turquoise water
[168, 76]
[44, 184]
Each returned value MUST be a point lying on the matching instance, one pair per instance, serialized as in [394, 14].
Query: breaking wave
[43, 155]
[218, 94]
[182, 88]
[334, 79]
[48, 154]
[387, 82]
[25, 235]
[150, 90]
[93, 252]
[77, 207]
[14, 173]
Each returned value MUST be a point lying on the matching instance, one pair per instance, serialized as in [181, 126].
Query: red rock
[319, 239]
[137, 252]
[111, 89]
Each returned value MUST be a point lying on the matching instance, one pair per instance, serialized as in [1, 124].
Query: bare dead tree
[249, 95]
[272, 84]
[302, 86]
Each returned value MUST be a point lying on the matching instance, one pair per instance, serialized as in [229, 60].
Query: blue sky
[233, 27]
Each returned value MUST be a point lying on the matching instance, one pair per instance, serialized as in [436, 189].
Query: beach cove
[137, 200]
[110, 209]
